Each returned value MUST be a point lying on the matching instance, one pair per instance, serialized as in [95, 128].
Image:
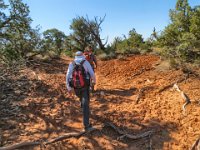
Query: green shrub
[105, 56]
[69, 53]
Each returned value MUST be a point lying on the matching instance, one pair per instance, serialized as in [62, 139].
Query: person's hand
[93, 83]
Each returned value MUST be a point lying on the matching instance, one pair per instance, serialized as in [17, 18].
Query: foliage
[129, 45]
[17, 38]
[105, 56]
[180, 39]
[53, 40]
[86, 32]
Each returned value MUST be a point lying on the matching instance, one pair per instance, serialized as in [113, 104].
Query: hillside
[135, 95]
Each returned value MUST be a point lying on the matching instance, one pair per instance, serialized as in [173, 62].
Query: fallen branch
[170, 85]
[139, 95]
[183, 95]
[68, 135]
[196, 145]
[130, 136]
[20, 145]
[139, 72]
[60, 138]
[150, 143]
[141, 91]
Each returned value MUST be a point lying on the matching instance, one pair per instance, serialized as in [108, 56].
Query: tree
[179, 37]
[180, 16]
[135, 39]
[180, 23]
[130, 44]
[195, 22]
[16, 36]
[54, 40]
[94, 28]
[80, 36]
[87, 32]
[3, 18]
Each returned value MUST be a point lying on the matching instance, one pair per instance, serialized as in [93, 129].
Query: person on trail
[90, 57]
[78, 78]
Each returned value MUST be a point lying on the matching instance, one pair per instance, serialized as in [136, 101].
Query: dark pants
[84, 96]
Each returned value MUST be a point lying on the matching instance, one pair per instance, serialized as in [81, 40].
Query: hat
[78, 53]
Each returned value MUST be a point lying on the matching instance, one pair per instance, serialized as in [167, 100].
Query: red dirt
[45, 111]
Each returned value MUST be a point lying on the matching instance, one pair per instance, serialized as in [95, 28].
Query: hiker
[90, 57]
[78, 78]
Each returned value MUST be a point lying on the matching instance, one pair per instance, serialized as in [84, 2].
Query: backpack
[88, 57]
[78, 80]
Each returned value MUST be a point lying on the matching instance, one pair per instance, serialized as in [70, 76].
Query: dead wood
[69, 135]
[141, 91]
[170, 85]
[139, 72]
[183, 95]
[130, 136]
[59, 138]
[139, 95]
[196, 145]
[20, 145]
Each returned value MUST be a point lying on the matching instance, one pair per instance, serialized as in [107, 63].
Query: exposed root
[196, 145]
[20, 145]
[139, 95]
[170, 85]
[183, 95]
[69, 135]
[130, 136]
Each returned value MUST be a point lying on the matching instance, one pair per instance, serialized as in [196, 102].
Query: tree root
[67, 136]
[196, 145]
[20, 145]
[130, 136]
[78, 135]
[183, 95]
[170, 85]
[139, 95]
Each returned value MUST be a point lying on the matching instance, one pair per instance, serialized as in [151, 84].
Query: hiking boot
[89, 129]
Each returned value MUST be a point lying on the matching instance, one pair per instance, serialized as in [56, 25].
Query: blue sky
[121, 15]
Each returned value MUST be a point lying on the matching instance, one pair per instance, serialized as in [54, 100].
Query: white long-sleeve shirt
[87, 67]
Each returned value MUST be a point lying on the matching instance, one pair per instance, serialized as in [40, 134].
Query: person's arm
[90, 71]
[68, 75]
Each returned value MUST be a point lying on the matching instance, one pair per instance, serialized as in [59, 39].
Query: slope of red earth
[35, 106]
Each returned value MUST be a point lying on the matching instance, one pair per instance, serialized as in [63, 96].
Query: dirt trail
[45, 111]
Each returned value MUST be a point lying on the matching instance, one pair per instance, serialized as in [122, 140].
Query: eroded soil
[35, 106]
